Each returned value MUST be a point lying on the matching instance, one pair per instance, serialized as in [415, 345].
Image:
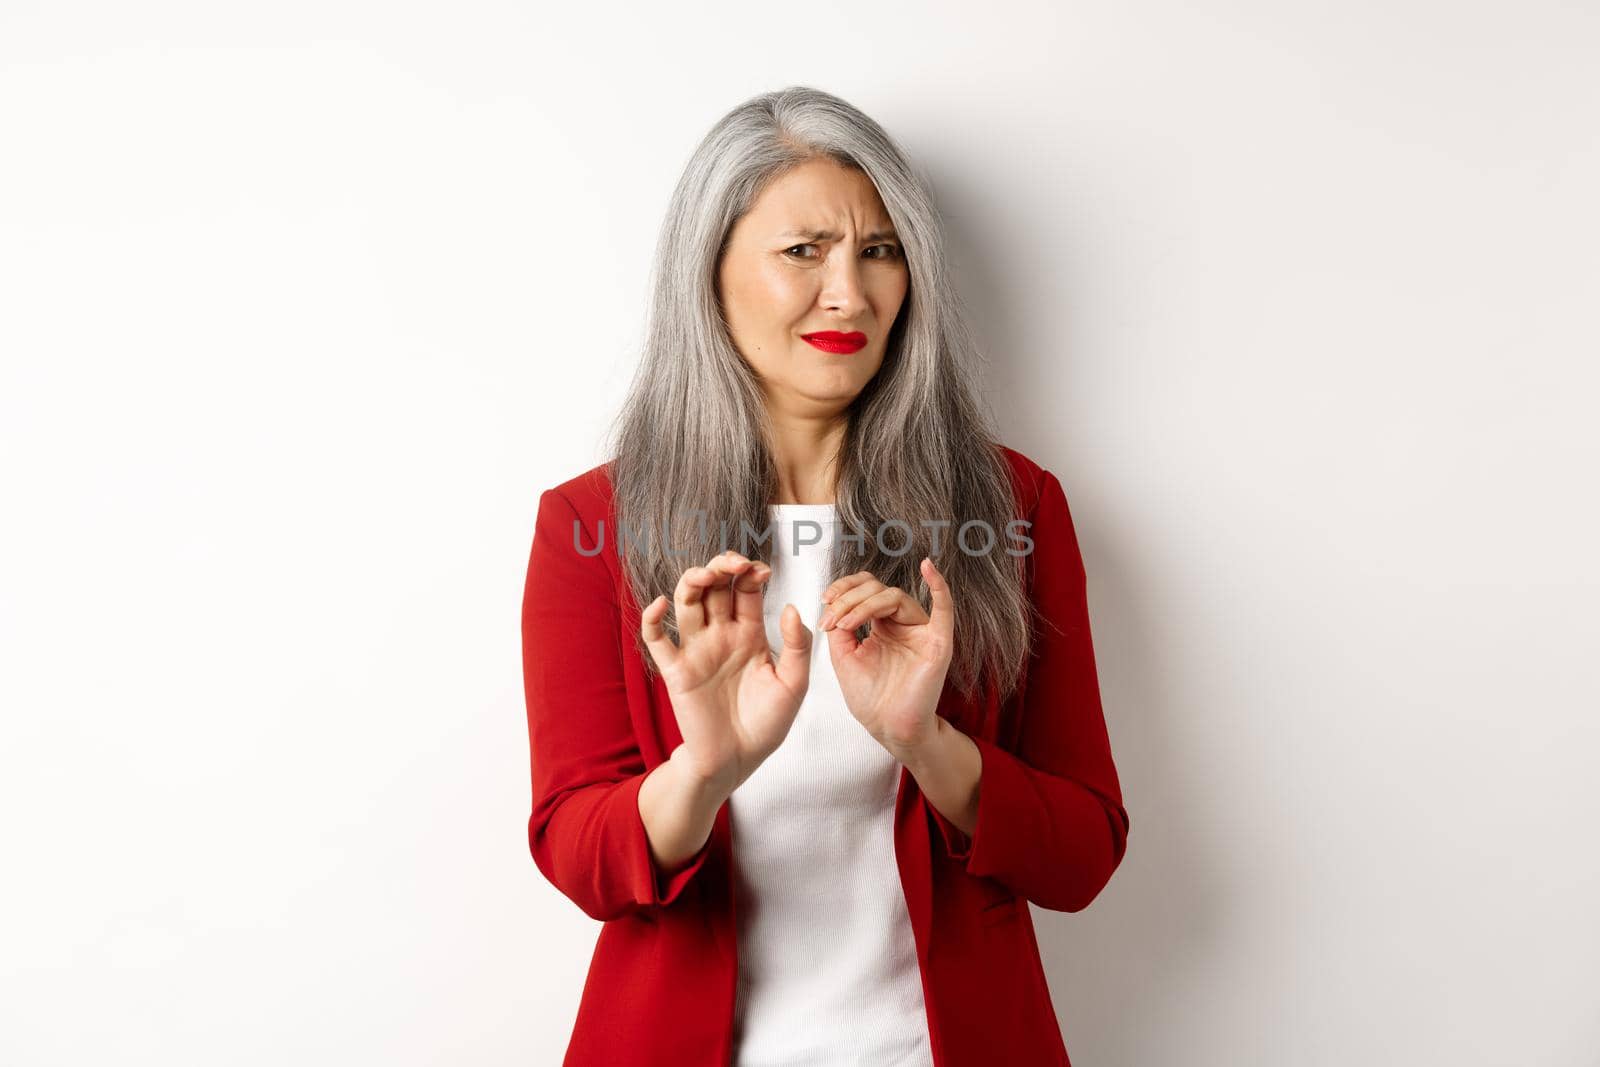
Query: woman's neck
[805, 452]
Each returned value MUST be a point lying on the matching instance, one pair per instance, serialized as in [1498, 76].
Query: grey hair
[693, 434]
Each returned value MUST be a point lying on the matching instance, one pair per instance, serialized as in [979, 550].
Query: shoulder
[588, 493]
[574, 525]
[1028, 478]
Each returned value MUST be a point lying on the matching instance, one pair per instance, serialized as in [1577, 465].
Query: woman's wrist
[678, 807]
[948, 769]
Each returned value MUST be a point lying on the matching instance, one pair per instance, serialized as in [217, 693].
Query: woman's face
[815, 253]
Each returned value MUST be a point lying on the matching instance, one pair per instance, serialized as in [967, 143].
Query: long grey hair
[693, 436]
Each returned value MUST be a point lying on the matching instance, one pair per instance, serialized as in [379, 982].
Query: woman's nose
[841, 286]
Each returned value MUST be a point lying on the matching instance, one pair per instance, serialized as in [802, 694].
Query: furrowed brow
[830, 235]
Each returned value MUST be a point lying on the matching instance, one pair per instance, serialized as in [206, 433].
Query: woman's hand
[734, 706]
[892, 680]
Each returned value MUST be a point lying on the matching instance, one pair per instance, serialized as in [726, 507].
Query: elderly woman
[802, 855]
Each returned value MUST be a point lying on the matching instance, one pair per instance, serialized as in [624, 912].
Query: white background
[303, 304]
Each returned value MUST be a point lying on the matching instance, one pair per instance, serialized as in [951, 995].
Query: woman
[822, 856]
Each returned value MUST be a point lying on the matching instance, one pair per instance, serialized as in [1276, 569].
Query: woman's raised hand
[893, 679]
[733, 703]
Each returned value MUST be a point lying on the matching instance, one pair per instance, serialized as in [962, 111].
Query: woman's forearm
[678, 809]
[949, 771]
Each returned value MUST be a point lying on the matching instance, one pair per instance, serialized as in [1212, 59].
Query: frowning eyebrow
[830, 235]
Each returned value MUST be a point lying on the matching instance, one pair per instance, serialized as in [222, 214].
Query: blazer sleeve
[1051, 825]
[585, 831]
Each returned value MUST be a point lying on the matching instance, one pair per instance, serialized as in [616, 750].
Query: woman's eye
[884, 251]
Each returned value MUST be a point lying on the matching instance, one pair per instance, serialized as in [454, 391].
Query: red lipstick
[834, 341]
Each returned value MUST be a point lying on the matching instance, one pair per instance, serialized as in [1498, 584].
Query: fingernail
[826, 620]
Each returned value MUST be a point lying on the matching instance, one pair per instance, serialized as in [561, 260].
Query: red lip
[834, 341]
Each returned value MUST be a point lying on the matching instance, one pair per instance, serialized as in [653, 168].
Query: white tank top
[827, 964]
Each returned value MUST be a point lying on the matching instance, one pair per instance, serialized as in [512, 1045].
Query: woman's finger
[698, 588]
[849, 581]
[891, 602]
[719, 597]
[943, 618]
[651, 628]
[848, 599]
[688, 598]
[749, 591]
[794, 662]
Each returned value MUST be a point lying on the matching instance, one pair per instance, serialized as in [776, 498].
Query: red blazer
[1050, 827]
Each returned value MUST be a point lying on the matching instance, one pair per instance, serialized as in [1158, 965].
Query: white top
[827, 964]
